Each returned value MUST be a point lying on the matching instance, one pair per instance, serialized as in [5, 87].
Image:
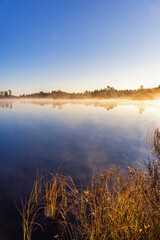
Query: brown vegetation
[115, 205]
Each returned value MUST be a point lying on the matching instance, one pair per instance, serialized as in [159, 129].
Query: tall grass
[31, 208]
[114, 205]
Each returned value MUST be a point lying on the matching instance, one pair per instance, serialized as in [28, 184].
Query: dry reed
[115, 205]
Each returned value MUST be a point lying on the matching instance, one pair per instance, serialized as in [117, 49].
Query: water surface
[77, 136]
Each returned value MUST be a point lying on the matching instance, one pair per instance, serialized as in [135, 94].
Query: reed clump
[31, 209]
[114, 205]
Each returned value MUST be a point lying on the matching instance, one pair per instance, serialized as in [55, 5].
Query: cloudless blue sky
[74, 45]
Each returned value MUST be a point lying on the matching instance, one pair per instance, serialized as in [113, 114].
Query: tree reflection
[107, 104]
[4, 104]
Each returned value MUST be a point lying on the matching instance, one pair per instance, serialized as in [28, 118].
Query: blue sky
[74, 45]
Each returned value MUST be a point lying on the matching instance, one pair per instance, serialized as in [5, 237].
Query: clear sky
[74, 45]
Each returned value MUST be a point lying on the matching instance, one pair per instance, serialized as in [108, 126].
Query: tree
[1, 93]
[9, 92]
[6, 94]
[141, 87]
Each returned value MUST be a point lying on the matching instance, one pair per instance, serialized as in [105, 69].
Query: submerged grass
[114, 205]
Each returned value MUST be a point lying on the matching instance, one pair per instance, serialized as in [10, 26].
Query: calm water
[79, 136]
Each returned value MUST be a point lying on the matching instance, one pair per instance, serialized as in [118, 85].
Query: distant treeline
[5, 94]
[106, 93]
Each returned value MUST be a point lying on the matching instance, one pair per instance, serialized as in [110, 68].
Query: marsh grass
[31, 209]
[114, 205]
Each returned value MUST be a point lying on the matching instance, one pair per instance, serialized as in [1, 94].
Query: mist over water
[77, 136]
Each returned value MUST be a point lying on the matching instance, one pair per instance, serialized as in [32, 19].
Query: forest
[5, 94]
[107, 93]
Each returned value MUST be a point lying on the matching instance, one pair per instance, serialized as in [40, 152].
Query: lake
[77, 137]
